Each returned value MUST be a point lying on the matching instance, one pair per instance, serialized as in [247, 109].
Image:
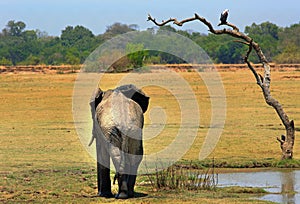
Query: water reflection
[287, 187]
[284, 186]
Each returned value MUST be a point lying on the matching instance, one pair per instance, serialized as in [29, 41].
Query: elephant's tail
[116, 177]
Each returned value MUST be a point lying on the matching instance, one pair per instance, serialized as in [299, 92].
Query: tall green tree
[14, 28]
[73, 36]
[289, 45]
[80, 39]
[136, 54]
[267, 35]
[117, 29]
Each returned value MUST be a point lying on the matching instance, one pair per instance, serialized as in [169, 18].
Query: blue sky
[53, 16]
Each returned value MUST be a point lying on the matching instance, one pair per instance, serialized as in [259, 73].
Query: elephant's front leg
[130, 185]
[103, 171]
[135, 160]
[135, 157]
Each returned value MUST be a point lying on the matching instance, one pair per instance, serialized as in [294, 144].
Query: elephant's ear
[141, 99]
[96, 98]
[132, 92]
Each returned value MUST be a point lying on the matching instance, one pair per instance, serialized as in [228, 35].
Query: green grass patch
[241, 163]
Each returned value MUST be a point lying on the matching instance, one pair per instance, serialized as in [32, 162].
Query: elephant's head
[132, 92]
[129, 90]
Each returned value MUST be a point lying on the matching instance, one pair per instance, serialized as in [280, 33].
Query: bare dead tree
[286, 142]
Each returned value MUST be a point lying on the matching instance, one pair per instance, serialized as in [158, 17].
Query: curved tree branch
[259, 78]
[262, 81]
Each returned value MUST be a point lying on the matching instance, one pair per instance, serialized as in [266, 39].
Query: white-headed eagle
[224, 16]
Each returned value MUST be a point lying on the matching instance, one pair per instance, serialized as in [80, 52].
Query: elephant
[118, 121]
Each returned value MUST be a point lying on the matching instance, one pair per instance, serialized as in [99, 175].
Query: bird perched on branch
[223, 18]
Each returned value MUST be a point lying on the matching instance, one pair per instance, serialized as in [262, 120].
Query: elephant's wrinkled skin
[117, 127]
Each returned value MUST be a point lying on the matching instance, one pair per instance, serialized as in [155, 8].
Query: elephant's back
[119, 111]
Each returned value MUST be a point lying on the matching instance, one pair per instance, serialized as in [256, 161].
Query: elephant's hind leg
[103, 171]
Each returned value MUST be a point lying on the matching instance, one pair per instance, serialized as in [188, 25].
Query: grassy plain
[42, 159]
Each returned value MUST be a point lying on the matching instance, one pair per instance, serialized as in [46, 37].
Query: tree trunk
[287, 142]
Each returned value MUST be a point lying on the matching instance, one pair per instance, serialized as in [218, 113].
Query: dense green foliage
[19, 46]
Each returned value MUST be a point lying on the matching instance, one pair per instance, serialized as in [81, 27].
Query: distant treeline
[19, 46]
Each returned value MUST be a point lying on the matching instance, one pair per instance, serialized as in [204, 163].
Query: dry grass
[37, 132]
[251, 125]
[36, 122]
